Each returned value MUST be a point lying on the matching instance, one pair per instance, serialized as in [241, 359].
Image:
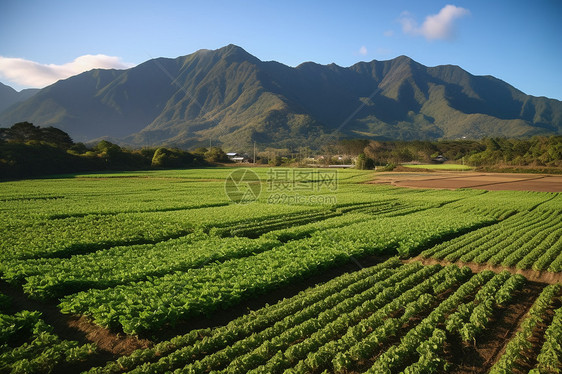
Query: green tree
[364, 163]
[56, 137]
[275, 161]
[200, 151]
[172, 158]
[107, 147]
[216, 154]
[22, 132]
[164, 157]
[78, 148]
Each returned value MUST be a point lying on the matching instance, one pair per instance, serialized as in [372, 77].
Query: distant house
[237, 157]
[439, 159]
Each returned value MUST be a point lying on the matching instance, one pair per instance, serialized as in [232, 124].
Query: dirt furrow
[531, 275]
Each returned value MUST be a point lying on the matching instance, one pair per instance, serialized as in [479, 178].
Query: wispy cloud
[388, 33]
[363, 50]
[383, 51]
[33, 74]
[436, 26]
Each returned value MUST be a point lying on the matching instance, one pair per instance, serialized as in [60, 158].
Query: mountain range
[229, 97]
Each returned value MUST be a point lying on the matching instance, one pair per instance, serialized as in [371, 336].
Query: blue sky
[517, 41]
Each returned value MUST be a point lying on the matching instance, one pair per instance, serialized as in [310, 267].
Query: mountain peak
[233, 47]
[402, 58]
[235, 53]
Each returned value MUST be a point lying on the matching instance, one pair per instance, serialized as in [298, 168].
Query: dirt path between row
[67, 327]
[478, 357]
[533, 276]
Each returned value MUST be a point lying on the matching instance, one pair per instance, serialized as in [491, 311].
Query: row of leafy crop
[550, 356]
[116, 193]
[502, 204]
[43, 199]
[288, 320]
[552, 203]
[350, 214]
[306, 230]
[254, 227]
[56, 238]
[549, 360]
[55, 277]
[426, 340]
[471, 318]
[265, 320]
[158, 301]
[122, 193]
[32, 237]
[120, 265]
[405, 234]
[28, 344]
[387, 318]
[527, 240]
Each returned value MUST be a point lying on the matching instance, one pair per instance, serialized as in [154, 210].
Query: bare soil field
[484, 181]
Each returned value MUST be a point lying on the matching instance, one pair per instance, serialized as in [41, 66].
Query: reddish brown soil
[537, 340]
[534, 276]
[120, 344]
[110, 345]
[484, 181]
[480, 356]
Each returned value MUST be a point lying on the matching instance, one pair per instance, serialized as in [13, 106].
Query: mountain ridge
[9, 96]
[232, 97]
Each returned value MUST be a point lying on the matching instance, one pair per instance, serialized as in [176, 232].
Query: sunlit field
[276, 270]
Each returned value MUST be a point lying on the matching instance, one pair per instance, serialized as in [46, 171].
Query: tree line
[538, 151]
[27, 150]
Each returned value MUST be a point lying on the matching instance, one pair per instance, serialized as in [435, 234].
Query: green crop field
[289, 271]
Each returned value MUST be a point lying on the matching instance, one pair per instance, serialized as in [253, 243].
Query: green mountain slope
[9, 96]
[231, 97]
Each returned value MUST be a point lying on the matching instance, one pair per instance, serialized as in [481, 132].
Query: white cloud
[388, 33]
[408, 22]
[363, 50]
[435, 26]
[33, 74]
